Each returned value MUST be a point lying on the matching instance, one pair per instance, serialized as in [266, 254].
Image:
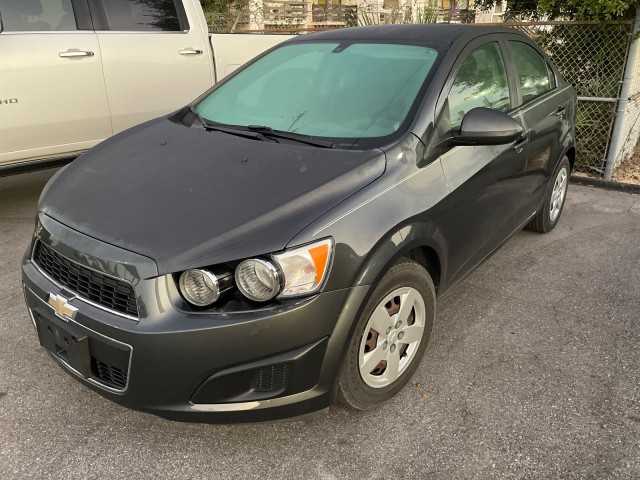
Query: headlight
[299, 271]
[295, 272]
[202, 287]
[305, 268]
[258, 280]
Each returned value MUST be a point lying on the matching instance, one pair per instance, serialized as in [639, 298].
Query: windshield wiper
[202, 121]
[231, 131]
[298, 137]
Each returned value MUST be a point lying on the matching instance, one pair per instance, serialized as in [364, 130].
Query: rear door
[52, 94]
[486, 182]
[544, 111]
[155, 57]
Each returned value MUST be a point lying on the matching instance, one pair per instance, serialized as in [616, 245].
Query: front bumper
[264, 364]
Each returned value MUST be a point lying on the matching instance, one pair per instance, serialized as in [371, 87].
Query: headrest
[32, 7]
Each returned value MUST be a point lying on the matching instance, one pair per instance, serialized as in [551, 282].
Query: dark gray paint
[189, 198]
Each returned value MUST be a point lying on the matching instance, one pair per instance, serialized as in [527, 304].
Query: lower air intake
[108, 374]
[272, 378]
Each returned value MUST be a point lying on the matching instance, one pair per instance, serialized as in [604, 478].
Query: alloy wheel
[391, 337]
[558, 194]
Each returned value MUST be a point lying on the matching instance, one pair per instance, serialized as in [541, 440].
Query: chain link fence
[592, 56]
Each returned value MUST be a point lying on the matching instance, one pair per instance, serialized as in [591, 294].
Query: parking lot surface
[533, 371]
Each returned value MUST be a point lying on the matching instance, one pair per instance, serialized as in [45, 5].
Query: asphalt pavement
[533, 371]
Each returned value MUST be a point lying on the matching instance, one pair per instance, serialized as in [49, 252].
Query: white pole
[616, 135]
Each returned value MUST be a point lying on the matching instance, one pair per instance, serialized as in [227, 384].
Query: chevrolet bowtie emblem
[62, 308]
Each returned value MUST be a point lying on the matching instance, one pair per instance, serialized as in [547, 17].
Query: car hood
[190, 198]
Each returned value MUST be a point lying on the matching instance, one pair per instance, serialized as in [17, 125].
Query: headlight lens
[295, 272]
[305, 268]
[258, 280]
[201, 287]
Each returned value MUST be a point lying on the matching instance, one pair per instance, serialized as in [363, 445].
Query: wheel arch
[570, 153]
[421, 242]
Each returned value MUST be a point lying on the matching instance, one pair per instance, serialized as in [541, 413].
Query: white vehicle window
[481, 81]
[37, 15]
[141, 15]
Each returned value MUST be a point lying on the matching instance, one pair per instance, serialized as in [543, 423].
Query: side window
[481, 81]
[37, 15]
[141, 15]
[533, 73]
[552, 76]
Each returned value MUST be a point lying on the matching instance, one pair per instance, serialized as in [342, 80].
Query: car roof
[429, 32]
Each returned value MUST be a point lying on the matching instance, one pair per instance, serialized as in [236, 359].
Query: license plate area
[64, 341]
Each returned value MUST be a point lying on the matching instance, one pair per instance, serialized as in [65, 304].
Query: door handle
[521, 143]
[190, 51]
[561, 111]
[75, 53]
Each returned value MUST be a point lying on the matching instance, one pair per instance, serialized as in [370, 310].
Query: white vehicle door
[155, 56]
[52, 95]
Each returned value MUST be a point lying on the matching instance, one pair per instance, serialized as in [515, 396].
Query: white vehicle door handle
[190, 51]
[75, 53]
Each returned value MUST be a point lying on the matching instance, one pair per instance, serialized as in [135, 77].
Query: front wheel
[390, 338]
[547, 218]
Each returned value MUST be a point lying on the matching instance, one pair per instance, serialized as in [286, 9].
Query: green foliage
[217, 5]
[368, 14]
[570, 9]
[427, 15]
[223, 15]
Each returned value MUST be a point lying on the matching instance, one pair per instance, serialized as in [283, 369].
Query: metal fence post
[616, 135]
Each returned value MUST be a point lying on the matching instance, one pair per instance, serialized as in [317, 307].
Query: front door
[52, 93]
[486, 182]
[155, 56]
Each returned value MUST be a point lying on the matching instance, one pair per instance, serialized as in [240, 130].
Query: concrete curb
[599, 183]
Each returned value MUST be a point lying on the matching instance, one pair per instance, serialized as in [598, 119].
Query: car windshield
[339, 91]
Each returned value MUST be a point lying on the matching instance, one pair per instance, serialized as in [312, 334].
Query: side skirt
[30, 166]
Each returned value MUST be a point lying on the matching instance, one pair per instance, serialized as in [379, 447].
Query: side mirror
[484, 126]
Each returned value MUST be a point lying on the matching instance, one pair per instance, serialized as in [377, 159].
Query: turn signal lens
[258, 280]
[305, 268]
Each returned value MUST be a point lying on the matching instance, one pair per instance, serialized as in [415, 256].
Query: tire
[547, 218]
[406, 283]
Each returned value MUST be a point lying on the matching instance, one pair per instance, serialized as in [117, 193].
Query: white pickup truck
[74, 72]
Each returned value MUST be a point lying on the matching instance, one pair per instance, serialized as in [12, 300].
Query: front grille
[272, 378]
[109, 292]
[108, 374]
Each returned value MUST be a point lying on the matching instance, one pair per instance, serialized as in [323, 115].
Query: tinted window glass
[141, 15]
[37, 15]
[481, 81]
[552, 76]
[532, 72]
[324, 90]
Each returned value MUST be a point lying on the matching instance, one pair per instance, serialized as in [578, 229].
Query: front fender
[402, 242]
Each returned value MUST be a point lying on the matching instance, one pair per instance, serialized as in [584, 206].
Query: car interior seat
[22, 16]
[32, 11]
[68, 21]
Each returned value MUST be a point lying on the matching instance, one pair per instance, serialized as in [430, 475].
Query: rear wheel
[390, 338]
[547, 218]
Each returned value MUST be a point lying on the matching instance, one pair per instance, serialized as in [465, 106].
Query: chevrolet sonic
[280, 243]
